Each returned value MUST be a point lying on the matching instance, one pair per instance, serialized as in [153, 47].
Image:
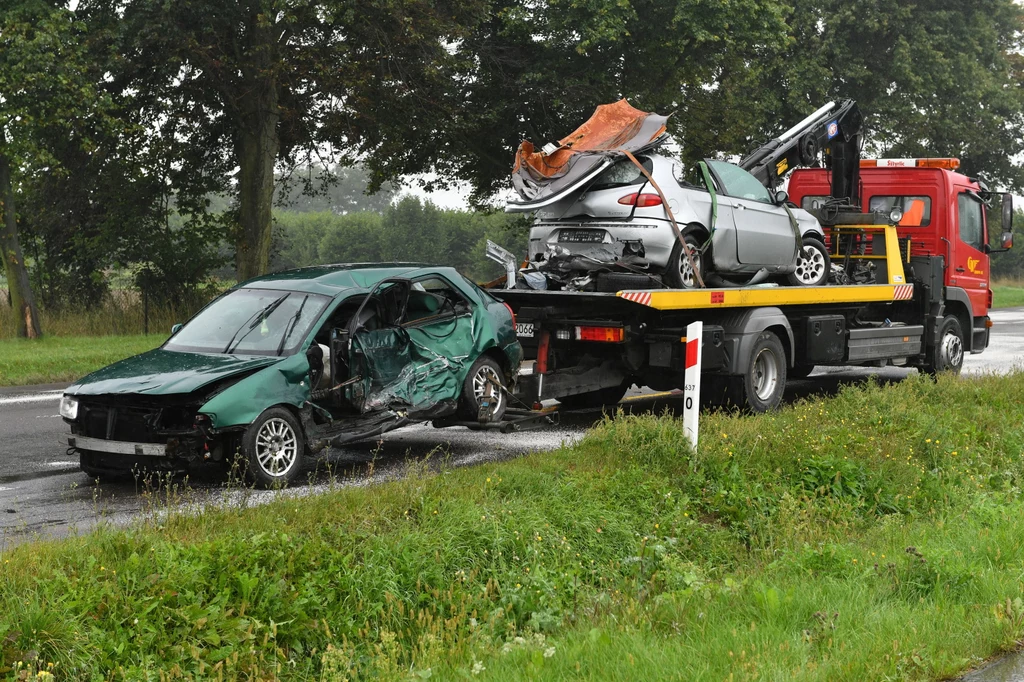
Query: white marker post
[691, 380]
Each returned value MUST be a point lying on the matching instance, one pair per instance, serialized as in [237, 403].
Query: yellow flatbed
[895, 289]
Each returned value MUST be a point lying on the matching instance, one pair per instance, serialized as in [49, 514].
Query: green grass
[1007, 295]
[871, 536]
[56, 359]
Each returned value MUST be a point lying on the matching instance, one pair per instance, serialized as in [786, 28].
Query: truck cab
[943, 215]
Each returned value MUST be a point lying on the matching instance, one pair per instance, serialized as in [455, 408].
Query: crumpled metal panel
[601, 140]
[401, 372]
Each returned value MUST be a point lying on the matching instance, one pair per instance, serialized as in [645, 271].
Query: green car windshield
[251, 322]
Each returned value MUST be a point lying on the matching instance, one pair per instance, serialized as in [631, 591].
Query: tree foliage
[410, 230]
[258, 83]
[47, 102]
[932, 78]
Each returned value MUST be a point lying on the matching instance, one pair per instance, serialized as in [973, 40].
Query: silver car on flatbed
[740, 233]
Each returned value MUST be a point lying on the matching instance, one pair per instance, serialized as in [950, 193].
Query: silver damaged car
[740, 233]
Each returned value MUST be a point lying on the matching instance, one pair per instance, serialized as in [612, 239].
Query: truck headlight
[895, 215]
[69, 408]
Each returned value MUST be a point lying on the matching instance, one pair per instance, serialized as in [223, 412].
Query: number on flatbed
[524, 329]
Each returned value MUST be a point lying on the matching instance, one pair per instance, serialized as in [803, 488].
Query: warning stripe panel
[678, 299]
[904, 292]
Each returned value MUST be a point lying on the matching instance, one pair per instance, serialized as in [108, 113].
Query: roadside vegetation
[55, 359]
[874, 535]
[1007, 293]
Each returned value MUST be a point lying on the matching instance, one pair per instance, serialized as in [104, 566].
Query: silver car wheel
[484, 376]
[766, 374]
[810, 265]
[276, 446]
[685, 271]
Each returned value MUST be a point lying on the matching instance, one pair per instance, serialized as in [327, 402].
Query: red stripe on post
[691, 353]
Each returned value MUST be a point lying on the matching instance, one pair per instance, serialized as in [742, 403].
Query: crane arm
[835, 130]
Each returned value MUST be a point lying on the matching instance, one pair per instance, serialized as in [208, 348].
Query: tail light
[641, 200]
[988, 300]
[604, 334]
[512, 313]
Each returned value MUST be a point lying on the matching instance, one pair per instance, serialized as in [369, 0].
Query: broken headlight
[69, 408]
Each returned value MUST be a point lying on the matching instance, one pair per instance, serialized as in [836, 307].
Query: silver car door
[699, 199]
[764, 233]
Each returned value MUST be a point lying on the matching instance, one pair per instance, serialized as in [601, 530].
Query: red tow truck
[909, 242]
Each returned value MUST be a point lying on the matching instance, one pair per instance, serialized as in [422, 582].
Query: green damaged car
[285, 365]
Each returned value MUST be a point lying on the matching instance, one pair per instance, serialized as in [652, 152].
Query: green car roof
[330, 279]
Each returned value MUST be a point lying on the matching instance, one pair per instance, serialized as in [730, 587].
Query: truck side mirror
[781, 197]
[176, 328]
[1007, 241]
[1007, 216]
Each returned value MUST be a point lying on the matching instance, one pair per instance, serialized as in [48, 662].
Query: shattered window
[739, 183]
[433, 297]
[622, 174]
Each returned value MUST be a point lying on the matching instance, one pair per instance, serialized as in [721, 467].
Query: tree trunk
[26, 315]
[256, 145]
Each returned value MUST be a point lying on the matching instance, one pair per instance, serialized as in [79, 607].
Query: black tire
[485, 369]
[273, 448]
[948, 355]
[800, 371]
[679, 274]
[812, 265]
[604, 397]
[765, 379]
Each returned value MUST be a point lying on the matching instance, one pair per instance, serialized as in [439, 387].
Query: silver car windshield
[251, 322]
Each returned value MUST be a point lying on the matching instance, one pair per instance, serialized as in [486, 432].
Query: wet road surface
[43, 493]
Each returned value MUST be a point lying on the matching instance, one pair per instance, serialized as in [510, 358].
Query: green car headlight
[69, 408]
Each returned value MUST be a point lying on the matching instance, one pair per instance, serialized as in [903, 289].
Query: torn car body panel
[541, 177]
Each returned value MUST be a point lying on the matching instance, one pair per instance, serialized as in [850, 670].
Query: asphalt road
[42, 492]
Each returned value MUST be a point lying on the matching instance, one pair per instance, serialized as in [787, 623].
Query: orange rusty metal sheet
[610, 128]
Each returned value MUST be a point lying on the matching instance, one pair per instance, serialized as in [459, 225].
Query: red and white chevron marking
[903, 292]
[641, 297]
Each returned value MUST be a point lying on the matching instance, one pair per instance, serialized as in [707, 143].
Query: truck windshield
[251, 322]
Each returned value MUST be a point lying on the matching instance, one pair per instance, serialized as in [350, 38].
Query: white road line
[45, 397]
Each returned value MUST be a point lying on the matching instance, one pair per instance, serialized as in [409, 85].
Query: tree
[540, 68]
[44, 96]
[269, 82]
[933, 78]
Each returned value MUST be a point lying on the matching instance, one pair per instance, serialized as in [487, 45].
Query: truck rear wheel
[765, 379]
[948, 355]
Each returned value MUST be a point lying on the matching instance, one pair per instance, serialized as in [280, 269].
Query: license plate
[581, 236]
[524, 329]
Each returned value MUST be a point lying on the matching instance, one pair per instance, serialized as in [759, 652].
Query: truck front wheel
[765, 378]
[948, 355]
